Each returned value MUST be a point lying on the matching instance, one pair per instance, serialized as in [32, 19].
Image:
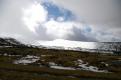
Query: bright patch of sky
[34, 15]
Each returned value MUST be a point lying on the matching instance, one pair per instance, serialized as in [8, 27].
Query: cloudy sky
[48, 20]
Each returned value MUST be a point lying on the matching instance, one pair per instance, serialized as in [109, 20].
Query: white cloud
[94, 11]
[60, 19]
[34, 15]
[102, 15]
[11, 19]
[58, 29]
[21, 19]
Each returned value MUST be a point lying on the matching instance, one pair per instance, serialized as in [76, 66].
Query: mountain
[66, 44]
[100, 47]
[10, 42]
[62, 44]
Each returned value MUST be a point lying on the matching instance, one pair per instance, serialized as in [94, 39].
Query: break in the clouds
[79, 20]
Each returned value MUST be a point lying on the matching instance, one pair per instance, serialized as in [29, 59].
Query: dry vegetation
[10, 71]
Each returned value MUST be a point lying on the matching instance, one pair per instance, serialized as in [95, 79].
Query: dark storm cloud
[79, 35]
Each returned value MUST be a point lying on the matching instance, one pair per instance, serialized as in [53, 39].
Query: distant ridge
[67, 43]
[10, 42]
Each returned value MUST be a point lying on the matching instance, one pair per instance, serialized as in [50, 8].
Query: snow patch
[52, 64]
[55, 66]
[61, 67]
[85, 66]
[27, 60]
[81, 64]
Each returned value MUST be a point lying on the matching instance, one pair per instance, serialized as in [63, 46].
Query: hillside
[33, 63]
[10, 42]
[48, 64]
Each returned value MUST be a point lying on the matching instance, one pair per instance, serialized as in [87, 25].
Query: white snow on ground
[26, 60]
[81, 64]
[52, 64]
[55, 66]
[61, 67]
[67, 43]
[85, 66]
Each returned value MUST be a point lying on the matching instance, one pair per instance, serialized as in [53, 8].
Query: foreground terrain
[27, 63]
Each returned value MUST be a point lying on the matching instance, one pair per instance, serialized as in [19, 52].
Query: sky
[49, 20]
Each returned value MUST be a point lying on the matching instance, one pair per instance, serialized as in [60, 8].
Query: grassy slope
[9, 71]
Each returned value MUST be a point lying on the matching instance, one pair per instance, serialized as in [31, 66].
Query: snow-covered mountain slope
[103, 47]
[61, 43]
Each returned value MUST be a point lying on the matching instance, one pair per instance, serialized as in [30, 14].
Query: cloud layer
[81, 20]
